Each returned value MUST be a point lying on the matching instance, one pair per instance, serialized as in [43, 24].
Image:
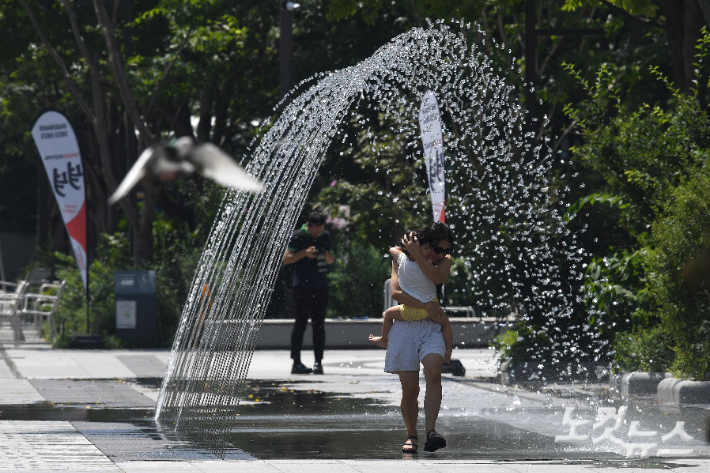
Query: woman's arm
[438, 274]
[403, 298]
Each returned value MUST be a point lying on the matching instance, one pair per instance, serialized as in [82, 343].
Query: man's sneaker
[300, 368]
[317, 368]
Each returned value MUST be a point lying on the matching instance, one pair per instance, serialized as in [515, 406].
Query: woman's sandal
[410, 446]
[434, 441]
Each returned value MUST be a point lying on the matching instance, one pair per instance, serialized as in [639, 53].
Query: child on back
[414, 282]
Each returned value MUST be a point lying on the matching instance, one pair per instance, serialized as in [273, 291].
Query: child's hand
[447, 356]
[411, 244]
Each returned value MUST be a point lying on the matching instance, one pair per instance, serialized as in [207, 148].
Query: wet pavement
[314, 424]
[93, 410]
[480, 421]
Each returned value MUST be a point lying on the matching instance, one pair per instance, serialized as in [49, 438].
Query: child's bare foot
[378, 341]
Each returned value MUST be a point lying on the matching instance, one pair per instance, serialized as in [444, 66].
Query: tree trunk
[181, 123]
[143, 233]
[221, 113]
[674, 29]
[60, 239]
[205, 124]
[42, 209]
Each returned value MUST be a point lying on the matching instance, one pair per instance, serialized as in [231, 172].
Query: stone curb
[474, 332]
[563, 372]
[677, 392]
[640, 383]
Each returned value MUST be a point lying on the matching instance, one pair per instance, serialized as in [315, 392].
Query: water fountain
[508, 220]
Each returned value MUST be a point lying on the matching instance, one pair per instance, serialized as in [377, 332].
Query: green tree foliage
[649, 349]
[634, 7]
[625, 50]
[649, 298]
[210, 69]
[175, 63]
[679, 275]
[385, 185]
[417, 10]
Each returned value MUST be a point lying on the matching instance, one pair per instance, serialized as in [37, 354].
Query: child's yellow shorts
[411, 314]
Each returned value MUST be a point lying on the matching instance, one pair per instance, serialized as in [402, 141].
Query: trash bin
[135, 304]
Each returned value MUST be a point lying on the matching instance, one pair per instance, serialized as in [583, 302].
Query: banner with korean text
[430, 126]
[59, 150]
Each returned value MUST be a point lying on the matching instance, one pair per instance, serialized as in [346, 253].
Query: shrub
[357, 280]
[680, 278]
[176, 260]
[518, 345]
[71, 316]
[649, 296]
[646, 349]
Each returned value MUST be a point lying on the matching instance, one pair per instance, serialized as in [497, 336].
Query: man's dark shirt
[310, 273]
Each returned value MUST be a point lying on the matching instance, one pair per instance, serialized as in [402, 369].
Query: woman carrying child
[411, 342]
[414, 282]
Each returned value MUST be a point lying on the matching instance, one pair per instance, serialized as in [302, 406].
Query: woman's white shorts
[409, 342]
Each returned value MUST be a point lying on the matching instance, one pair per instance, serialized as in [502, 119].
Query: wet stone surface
[103, 417]
[288, 423]
[306, 420]
[479, 420]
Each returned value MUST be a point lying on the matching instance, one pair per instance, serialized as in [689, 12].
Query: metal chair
[43, 305]
[10, 304]
[7, 287]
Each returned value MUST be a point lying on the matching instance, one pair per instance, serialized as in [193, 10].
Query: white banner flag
[59, 150]
[430, 126]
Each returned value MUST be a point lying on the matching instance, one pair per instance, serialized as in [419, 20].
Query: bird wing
[221, 168]
[135, 174]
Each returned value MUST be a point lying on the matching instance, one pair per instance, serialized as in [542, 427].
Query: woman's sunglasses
[439, 250]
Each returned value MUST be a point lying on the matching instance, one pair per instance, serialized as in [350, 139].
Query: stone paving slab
[40, 362]
[432, 465]
[143, 365]
[46, 363]
[18, 391]
[150, 391]
[126, 442]
[48, 445]
[5, 372]
[106, 393]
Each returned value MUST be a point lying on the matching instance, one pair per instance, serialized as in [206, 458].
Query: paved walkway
[67, 410]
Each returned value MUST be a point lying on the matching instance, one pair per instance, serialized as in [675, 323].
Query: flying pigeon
[166, 162]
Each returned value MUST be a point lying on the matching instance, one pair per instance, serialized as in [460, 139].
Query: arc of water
[236, 275]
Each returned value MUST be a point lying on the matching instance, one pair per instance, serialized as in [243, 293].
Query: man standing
[311, 251]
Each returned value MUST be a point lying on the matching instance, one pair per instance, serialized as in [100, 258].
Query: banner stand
[59, 150]
[433, 142]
